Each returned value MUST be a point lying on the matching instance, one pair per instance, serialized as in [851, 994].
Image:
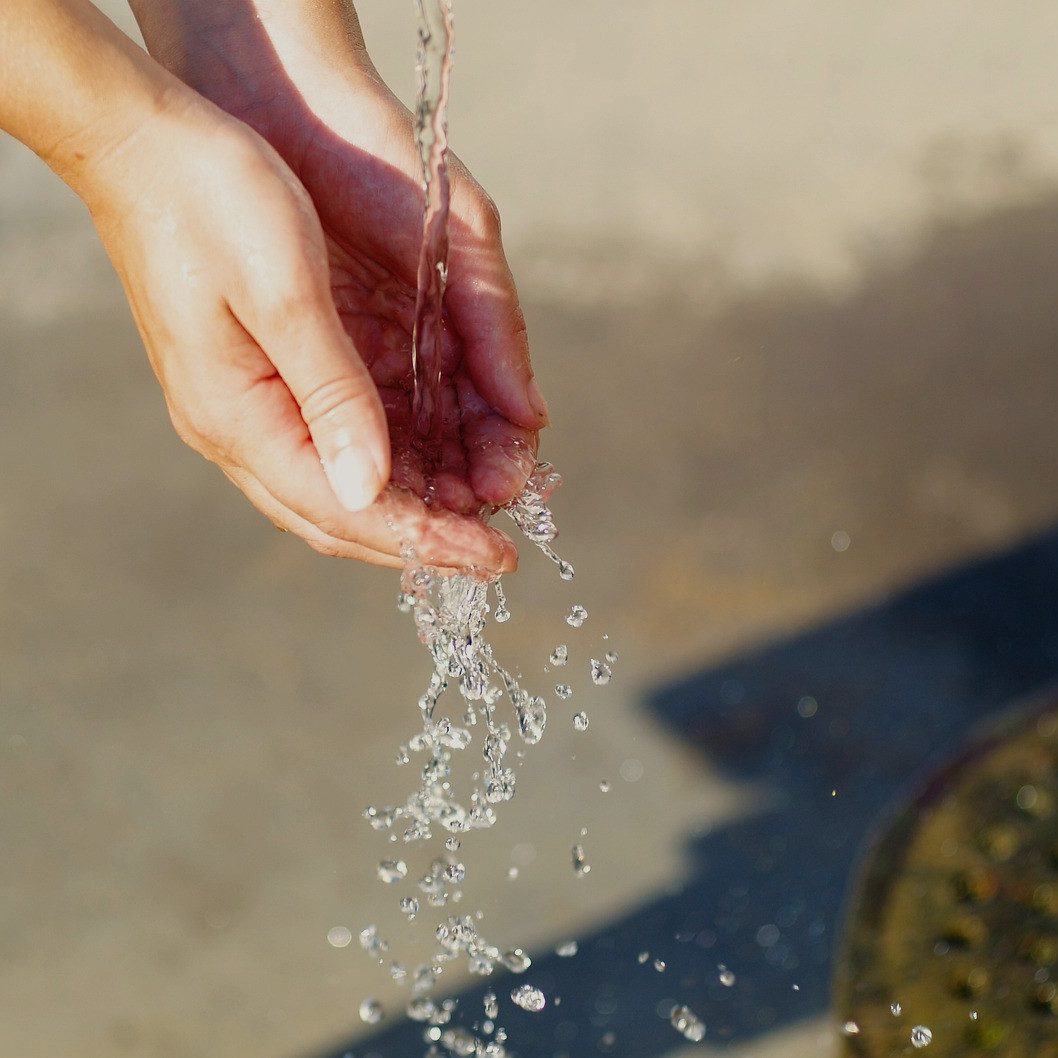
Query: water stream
[450, 612]
[434, 63]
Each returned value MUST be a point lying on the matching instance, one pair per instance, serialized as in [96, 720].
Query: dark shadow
[834, 724]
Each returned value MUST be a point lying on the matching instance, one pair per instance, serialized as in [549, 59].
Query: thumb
[338, 401]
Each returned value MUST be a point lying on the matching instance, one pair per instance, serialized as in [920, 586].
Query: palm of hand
[370, 204]
[349, 143]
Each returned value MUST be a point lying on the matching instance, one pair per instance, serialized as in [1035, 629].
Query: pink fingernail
[536, 399]
[354, 477]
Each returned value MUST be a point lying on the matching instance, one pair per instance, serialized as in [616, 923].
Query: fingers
[397, 525]
[304, 339]
[483, 305]
[500, 455]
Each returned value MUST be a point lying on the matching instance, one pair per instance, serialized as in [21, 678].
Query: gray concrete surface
[788, 273]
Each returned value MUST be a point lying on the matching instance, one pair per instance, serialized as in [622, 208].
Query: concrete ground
[788, 272]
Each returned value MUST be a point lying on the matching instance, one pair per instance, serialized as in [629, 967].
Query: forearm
[75, 89]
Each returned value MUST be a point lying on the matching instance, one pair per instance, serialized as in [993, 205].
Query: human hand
[307, 86]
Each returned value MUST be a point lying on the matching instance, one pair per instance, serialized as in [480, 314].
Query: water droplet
[601, 673]
[397, 971]
[516, 960]
[391, 871]
[850, 1028]
[339, 936]
[921, 1036]
[631, 770]
[642, 957]
[567, 949]
[659, 965]
[421, 1008]
[580, 721]
[528, 998]
[459, 1041]
[560, 655]
[565, 570]
[499, 786]
[895, 1009]
[687, 1023]
[380, 818]
[563, 690]
[512, 873]
[371, 942]
[611, 655]
[727, 978]
[577, 616]
[532, 719]
[580, 867]
[502, 613]
[455, 873]
[604, 785]
[371, 1011]
[452, 844]
[492, 1008]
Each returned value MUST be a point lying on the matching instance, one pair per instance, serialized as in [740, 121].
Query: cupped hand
[280, 322]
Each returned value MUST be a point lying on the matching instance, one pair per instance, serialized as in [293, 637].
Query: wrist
[100, 89]
[243, 53]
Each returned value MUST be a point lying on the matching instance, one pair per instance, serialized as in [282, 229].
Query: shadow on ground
[835, 724]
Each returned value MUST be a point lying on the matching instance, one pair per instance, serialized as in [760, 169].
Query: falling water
[431, 136]
[494, 712]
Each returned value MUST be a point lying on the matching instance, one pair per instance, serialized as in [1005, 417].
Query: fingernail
[355, 478]
[536, 399]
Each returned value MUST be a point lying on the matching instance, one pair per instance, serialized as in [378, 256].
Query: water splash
[493, 712]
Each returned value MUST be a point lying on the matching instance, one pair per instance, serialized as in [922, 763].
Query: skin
[258, 191]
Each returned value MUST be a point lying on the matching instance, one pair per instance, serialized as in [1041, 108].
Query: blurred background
[788, 272]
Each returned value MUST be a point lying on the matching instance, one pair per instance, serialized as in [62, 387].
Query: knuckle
[289, 295]
[327, 398]
[485, 217]
[325, 546]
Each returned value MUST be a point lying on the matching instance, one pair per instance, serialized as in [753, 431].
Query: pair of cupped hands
[267, 227]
